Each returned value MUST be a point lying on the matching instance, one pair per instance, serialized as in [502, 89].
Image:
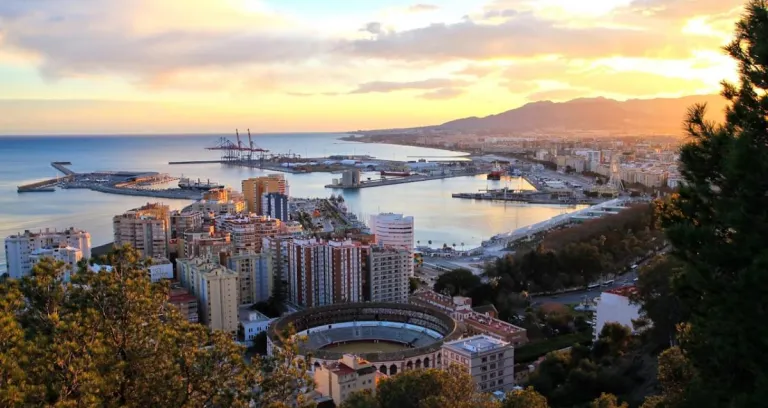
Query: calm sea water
[438, 216]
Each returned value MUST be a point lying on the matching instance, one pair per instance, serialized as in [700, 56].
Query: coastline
[367, 139]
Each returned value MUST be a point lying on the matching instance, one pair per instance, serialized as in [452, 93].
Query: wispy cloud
[385, 86]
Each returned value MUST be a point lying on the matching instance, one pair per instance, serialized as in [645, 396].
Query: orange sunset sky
[172, 66]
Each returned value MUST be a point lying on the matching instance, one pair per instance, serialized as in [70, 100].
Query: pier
[49, 185]
[526, 197]
[395, 181]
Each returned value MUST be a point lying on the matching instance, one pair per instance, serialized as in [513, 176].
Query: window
[501, 355]
[483, 378]
[501, 381]
[485, 359]
[501, 373]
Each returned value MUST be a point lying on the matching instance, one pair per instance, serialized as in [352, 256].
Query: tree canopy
[718, 225]
[112, 340]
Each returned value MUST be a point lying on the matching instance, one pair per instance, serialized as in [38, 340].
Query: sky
[198, 66]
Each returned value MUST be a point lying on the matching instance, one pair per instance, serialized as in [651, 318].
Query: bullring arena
[393, 336]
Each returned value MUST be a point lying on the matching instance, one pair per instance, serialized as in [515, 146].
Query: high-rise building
[19, 248]
[217, 290]
[69, 255]
[182, 222]
[323, 273]
[219, 201]
[341, 378]
[247, 232]
[275, 250]
[275, 205]
[206, 244]
[145, 228]
[393, 230]
[490, 362]
[255, 277]
[255, 188]
[389, 270]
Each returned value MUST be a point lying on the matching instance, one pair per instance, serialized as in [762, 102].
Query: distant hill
[657, 115]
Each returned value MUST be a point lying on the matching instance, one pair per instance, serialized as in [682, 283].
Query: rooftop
[476, 344]
[492, 324]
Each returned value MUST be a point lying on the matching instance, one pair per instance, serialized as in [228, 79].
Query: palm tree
[430, 242]
[418, 243]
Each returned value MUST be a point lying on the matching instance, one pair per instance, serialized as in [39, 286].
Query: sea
[439, 218]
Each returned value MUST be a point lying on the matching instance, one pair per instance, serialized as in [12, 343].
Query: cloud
[385, 86]
[523, 35]
[373, 27]
[477, 71]
[678, 9]
[443, 93]
[73, 38]
[420, 8]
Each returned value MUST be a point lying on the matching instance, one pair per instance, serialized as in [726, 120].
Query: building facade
[68, 255]
[185, 302]
[389, 270]
[145, 228]
[247, 232]
[393, 230]
[19, 248]
[490, 361]
[275, 205]
[206, 244]
[217, 295]
[255, 188]
[341, 378]
[323, 273]
[255, 277]
[185, 221]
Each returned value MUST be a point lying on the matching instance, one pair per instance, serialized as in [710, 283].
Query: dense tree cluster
[718, 227]
[578, 375]
[112, 340]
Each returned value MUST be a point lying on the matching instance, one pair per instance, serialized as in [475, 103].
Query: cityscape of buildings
[232, 251]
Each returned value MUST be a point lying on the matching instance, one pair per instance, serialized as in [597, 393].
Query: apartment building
[19, 248]
[393, 230]
[219, 201]
[275, 205]
[323, 273]
[247, 232]
[275, 251]
[182, 222]
[341, 378]
[490, 361]
[146, 229]
[185, 303]
[255, 188]
[217, 290]
[66, 254]
[255, 277]
[389, 270]
[206, 244]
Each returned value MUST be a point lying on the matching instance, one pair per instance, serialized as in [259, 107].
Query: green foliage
[718, 225]
[413, 284]
[658, 302]
[431, 388]
[457, 283]
[283, 375]
[532, 351]
[607, 401]
[360, 399]
[579, 375]
[112, 340]
[527, 398]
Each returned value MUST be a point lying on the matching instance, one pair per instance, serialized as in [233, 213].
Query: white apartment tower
[389, 269]
[490, 361]
[20, 248]
[393, 230]
[217, 290]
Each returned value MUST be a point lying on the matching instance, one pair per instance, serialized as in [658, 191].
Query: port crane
[236, 152]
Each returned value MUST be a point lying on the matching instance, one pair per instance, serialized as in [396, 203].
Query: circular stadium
[393, 336]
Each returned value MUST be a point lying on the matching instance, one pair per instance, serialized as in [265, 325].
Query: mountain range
[649, 115]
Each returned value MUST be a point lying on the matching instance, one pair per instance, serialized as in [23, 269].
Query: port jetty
[134, 183]
[351, 179]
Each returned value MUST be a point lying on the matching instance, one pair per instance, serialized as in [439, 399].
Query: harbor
[529, 197]
[351, 179]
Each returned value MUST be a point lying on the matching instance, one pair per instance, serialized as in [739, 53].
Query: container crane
[236, 152]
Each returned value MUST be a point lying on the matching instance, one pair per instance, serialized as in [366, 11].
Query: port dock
[49, 185]
[403, 180]
[527, 197]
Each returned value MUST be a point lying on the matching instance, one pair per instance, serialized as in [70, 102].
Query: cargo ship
[188, 184]
[396, 173]
[495, 173]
